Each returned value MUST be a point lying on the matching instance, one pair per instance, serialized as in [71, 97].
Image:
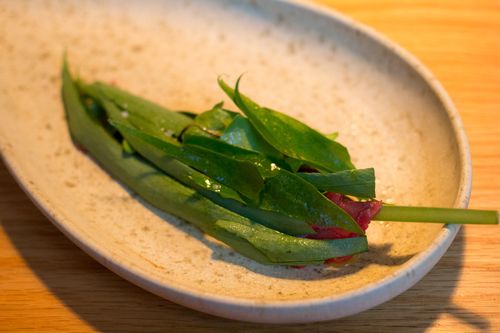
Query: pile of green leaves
[237, 176]
[242, 166]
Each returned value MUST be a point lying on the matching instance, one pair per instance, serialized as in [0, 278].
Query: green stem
[437, 215]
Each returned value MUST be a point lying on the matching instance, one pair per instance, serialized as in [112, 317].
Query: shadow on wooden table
[110, 304]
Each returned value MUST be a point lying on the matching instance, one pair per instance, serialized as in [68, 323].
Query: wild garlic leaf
[281, 248]
[241, 133]
[211, 123]
[288, 193]
[277, 221]
[357, 182]
[184, 173]
[290, 136]
[217, 118]
[265, 166]
[141, 113]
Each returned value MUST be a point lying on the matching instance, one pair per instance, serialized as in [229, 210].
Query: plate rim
[291, 311]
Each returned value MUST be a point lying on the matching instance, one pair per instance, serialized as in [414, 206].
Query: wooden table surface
[48, 285]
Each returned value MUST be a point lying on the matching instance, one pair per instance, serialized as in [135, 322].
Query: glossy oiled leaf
[264, 165]
[241, 133]
[183, 173]
[357, 182]
[211, 123]
[288, 193]
[290, 136]
[283, 223]
[212, 164]
[141, 113]
[281, 248]
[216, 119]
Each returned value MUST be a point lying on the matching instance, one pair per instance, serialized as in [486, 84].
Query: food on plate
[264, 183]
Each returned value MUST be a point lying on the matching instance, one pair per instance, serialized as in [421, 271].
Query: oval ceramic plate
[314, 64]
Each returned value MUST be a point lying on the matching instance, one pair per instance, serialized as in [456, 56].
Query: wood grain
[47, 284]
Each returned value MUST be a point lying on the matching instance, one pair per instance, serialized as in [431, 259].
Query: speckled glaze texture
[313, 64]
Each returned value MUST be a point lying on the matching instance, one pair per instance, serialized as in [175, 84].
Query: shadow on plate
[110, 304]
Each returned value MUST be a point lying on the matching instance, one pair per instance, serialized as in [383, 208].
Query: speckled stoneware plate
[314, 64]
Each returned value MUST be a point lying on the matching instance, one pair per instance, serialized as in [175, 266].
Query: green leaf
[264, 165]
[215, 165]
[141, 113]
[211, 123]
[290, 136]
[185, 174]
[217, 118]
[357, 182]
[280, 222]
[284, 249]
[288, 193]
[241, 133]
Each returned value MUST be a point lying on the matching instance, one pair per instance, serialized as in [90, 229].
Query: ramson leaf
[290, 136]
